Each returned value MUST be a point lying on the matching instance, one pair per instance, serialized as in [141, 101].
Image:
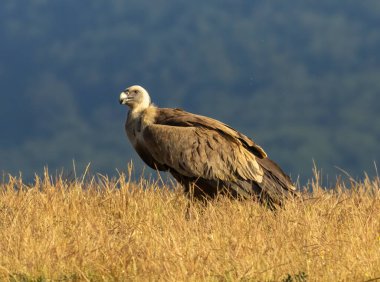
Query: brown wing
[201, 152]
[178, 117]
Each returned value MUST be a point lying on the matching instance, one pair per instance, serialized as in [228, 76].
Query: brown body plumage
[205, 155]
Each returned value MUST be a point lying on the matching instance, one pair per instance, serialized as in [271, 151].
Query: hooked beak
[123, 99]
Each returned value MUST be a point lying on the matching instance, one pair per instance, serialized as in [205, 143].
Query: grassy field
[116, 230]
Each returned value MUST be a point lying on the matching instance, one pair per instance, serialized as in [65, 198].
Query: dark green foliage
[300, 78]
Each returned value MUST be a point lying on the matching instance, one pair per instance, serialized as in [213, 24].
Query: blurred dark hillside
[302, 79]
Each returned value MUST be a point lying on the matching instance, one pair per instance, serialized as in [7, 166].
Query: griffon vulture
[205, 155]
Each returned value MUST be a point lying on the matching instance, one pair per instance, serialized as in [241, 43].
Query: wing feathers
[177, 117]
[199, 152]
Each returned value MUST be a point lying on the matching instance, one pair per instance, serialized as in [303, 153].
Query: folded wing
[201, 147]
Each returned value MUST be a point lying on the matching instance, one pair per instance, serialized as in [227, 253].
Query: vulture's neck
[139, 108]
[145, 115]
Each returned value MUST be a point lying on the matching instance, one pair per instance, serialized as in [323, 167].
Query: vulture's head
[135, 97]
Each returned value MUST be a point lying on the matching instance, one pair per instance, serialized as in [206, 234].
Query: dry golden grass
[116, 230]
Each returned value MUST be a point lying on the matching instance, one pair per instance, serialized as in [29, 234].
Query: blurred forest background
[301, 78]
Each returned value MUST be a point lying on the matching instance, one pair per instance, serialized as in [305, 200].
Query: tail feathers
[269, 192]
[274, 191]
[275, 187]
[276, 173]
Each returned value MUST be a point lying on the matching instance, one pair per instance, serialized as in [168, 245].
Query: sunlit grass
[115, 229]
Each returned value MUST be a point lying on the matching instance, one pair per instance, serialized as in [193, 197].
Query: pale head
[136, 98]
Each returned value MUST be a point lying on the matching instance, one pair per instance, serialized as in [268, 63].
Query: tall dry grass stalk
[116, 230]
